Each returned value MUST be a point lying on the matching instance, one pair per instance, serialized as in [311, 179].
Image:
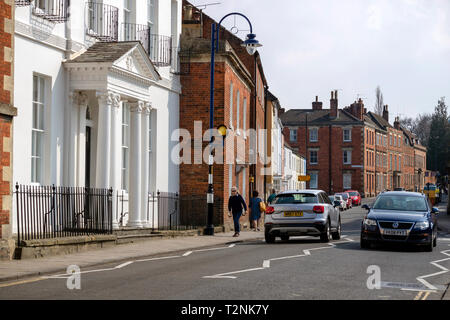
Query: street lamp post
[251, 44]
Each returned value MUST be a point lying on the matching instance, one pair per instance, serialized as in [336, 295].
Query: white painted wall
[41, 47]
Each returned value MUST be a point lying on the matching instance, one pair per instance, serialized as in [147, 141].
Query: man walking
[235, 205]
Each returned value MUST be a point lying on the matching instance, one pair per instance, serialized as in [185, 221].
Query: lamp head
[251, 44]
[222, 130]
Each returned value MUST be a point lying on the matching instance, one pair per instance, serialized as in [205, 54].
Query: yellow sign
[304, 178]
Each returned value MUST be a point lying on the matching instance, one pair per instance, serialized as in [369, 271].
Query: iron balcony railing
[52, 10]
[102, 21]
[52, 212]
[21, 3]
[159, 48]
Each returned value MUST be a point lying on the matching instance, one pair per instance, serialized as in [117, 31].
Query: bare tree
[379, 101]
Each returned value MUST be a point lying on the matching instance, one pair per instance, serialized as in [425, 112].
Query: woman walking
[255, 210]
[235, 205]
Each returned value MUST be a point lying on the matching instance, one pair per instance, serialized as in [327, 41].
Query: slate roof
[379, 120]
[295, 117]
[105, 52]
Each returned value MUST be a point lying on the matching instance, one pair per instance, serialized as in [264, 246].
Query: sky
[312, 47]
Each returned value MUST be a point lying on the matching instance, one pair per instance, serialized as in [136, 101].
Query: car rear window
[294, 198]
[353, 194]
[401, 203]
[344, 196]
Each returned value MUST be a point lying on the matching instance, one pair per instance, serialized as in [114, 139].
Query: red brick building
[233, 103]
[7, 112]
[333, 142]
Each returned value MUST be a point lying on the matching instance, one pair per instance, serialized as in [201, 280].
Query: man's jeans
[236, 217]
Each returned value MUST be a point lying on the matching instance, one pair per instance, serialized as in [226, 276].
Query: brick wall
[7, 112]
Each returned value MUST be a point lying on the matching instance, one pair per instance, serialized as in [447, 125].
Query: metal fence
[102, 21]
[52, 212]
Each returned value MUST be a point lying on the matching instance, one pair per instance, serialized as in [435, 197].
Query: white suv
[303, 212]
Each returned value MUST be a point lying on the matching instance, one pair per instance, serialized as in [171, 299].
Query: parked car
[339, 198]
[355, 196]
[347, 198]
[300, 213]
[400, 217]
[399, 189]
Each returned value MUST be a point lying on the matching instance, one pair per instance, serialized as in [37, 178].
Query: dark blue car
[400, 217]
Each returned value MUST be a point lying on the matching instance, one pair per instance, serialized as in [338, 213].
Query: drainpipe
[266, 90]
[330, 186]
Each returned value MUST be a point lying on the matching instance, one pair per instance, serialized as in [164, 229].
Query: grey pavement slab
[17, 269]
[443, 217]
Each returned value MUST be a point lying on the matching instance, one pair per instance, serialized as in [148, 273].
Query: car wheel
[430, 245]
[269, 238]
[285, 238]
[435, 242]
[364, 244]
[337, 235]
[325, 236]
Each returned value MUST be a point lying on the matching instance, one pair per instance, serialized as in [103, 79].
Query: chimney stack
[281, 111]
[334, 105]
[317, 105]
[397, 123]
[386, 113]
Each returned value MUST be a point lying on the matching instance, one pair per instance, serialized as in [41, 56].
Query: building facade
[99, 98]
[7, 114]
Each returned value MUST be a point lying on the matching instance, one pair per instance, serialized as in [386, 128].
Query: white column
[135, 194]
[115, 156]
[145, 165]
[81, 152]
[73, 135]
[105, 100]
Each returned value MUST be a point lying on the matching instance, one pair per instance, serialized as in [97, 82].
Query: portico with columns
[107, 81]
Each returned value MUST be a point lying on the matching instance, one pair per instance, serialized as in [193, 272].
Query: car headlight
[370, 222]
[422, 225]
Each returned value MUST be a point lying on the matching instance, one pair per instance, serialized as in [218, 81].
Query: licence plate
[393, 232]
[293, 214]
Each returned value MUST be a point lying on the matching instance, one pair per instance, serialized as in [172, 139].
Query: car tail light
[318, 209]
[270, 210]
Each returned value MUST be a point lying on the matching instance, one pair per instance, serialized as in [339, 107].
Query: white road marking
[187, 253]
[444, 239]
[154, 259]
[124, 265]
[266, 263]
[435, 263]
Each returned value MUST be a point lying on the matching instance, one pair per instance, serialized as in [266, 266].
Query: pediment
[138, 62]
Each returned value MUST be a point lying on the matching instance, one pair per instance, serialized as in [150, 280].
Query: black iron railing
[102, 21]
[159, 48]
[22, 3]
[52, 10]
[52, 212]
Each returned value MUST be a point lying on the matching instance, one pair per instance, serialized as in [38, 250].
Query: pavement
[443, 217]
[20, 269]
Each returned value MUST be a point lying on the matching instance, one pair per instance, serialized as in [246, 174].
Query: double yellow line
[422, 295]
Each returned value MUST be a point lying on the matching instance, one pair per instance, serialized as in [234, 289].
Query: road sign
[304, 178]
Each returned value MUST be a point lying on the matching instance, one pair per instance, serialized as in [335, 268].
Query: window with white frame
[293, 134]
[347, 179]
[231, 105]
[151, 12]
[238, 97]
[347, 156]
[244, 125]
[313, 183]
[38, 129]
[313, 135]
[347, 135]
[127, 8]
[125, 145]
[313, 157]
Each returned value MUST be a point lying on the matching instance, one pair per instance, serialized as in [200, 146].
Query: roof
[296, 117]
[105, 52]
[401, 193]
[315, 192]
[379, 120]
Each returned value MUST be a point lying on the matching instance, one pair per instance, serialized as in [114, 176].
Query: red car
[355, 196]
[346, 197]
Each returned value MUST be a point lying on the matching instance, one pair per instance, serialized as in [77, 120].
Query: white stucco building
[97, 93]
[294, 166]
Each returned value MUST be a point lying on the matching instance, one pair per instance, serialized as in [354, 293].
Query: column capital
[138, 107]
[147, 107]
[109, 97]
[79, 98]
